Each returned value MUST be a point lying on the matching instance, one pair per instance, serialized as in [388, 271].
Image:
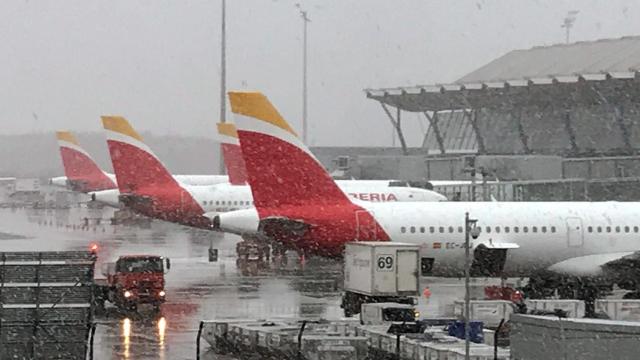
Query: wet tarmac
[196, 288]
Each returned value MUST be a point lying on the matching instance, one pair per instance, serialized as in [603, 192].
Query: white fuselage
[227, 197]
[191, 180]
[545, 232]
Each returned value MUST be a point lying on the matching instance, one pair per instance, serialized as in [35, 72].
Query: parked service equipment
[386, 313]
[572, 308]
[490, 312]
[133, 280]
[379, 272]
[45, 304]
[620, 309]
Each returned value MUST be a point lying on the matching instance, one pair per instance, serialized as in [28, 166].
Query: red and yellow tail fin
[281, 169]
[135, 165]
[82, 172]
[232, 154]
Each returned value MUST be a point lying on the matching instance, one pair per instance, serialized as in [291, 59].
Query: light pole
[568, 22]
[223, 76]
[470, 230]
[305, 21]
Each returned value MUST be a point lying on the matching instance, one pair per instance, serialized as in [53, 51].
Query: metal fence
[616, 189]
[45, 304]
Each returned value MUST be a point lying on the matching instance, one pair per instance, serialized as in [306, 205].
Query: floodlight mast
[305, 20]
[568, 23]
[223, 77]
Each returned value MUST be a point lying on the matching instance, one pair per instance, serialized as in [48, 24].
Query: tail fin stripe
[125, 138]
[74, 147]
[246, 123]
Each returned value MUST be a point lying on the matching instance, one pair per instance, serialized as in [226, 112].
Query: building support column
[433, 121]
[524, 139]
[396, 122]
[472, 116]
[568, 127]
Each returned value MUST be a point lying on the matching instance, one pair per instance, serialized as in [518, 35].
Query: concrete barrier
[550, 338]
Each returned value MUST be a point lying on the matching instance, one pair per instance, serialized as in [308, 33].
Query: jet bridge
[46, 304]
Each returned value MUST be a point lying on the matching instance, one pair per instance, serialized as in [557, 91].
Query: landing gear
[252, 255]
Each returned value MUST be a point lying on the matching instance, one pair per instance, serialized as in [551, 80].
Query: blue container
[476, 334]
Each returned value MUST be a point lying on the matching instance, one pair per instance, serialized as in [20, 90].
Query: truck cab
[136, 279]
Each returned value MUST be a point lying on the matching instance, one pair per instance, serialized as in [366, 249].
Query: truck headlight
[127, 294]
[161, 293]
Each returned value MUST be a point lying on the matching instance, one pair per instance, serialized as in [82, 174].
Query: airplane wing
[595, 265]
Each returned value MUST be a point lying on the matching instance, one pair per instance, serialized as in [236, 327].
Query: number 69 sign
[384, 263]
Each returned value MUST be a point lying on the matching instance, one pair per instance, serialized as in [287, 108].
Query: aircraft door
[365, 228]
[575, 232]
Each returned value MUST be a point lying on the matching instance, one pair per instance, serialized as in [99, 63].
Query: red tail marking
[234, 162]
[83, 172]
[282, 174]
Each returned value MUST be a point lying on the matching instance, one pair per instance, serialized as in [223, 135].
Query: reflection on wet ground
[196, 288]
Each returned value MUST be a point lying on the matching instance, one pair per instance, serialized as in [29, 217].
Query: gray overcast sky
[64, 63]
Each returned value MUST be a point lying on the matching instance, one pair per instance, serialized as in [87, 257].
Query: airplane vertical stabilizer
[82, 172]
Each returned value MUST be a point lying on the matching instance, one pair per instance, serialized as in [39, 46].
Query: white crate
[620, 309]
[573, 308]
[490, 312]
[478, 353]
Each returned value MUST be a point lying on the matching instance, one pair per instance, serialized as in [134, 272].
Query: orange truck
[133, 280]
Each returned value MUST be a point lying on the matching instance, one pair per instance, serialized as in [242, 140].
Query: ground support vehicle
[133, 280]
[377, 272]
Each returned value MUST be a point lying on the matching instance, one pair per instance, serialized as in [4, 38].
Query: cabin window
[617, 229]
[488, 229]
[461, 230]
[403, 229]
[608, 229]
[441, 229]
[525, 229]
[635, 229]
[497, 229]
[543, 229]
[626, 229]
[590, 229]
[450, 229]
[224, 202]
[515, 229]
[413, 229]
[553, 229]
[506, 229]
[432, 229]
[217, 202]
[599, 229]
[422, 229]
[534, 229]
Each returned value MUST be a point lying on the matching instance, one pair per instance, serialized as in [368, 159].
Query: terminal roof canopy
[594, 57]
[512, 77]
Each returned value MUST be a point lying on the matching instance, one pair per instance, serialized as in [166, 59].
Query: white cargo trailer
[379, 272]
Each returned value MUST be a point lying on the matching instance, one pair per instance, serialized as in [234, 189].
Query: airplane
[83, 174]
[81, 171]
[147, 187]
[304, 209]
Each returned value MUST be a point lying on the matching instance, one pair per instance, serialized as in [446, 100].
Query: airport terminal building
[562, 121]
